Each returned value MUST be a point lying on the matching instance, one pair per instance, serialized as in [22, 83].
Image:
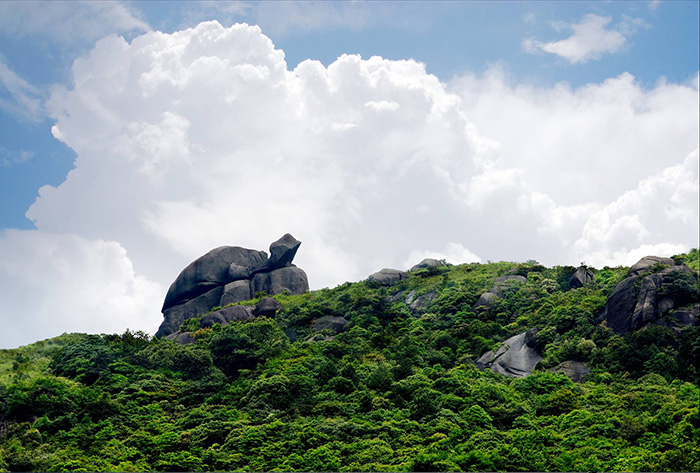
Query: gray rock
[267, 307]
[236, 272]
[290, 279]
[421, 302]
[428, 263]
[509, 279]
[209, 271]
[581, 278]
[686, 316]
[228, 314]
[620, 305]
[236, 291]
[282, 252]
[487, 299]
[634, 304]
[647, 263]
[183, 338]
[330, 322]
[575, 370]
[515, 357]
[388, 276]
[175, 315]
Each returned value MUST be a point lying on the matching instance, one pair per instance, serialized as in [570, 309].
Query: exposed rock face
[183, 338]
[231, 274]
[388, 277]
[634, 304]
[337, 324]
[582, 277]
[499, 285]
[575, 370]
[516, 357]
[428, 263]
[415, 303]
[267, 307]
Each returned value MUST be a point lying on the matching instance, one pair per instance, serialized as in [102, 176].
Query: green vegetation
[396, 391]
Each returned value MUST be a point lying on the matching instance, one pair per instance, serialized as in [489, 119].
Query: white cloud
[54, 283]
[20, 98]
[204, 137]
[68, 23]
[590, 39]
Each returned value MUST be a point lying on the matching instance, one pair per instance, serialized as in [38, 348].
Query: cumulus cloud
[53, 283]
[205, 137]
[590, 39]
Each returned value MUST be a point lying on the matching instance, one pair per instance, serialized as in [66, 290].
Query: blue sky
[574, 122]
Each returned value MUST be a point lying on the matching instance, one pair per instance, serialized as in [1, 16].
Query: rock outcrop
[231, 274]
[575, 370]
[428, 263]
[500, 284]
[643, 299]
[517, 356]
[387, 276]
[581, 278]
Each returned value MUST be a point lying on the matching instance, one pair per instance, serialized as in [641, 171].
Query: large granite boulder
[517, 357]
[230, 274]
[267, 307]
[643, 299]
[387, 276]
[581, 278]
[227, 314]
[428, 263]
[210, 271]
[330, 322]
[647, 264]
[288, 279]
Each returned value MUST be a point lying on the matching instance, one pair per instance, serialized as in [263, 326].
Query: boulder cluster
[651, 294]
[227, 275]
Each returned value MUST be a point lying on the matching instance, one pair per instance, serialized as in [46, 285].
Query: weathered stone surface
[267, 307]
[236, 291]
[177, 314]
[620, 305]
[228, 314]
[515, 357]
[647, 263]
[235, 274]
[421, 302]
[487, 299]
[634, 304]
[582, 277]
[330, 322]
[282, 252]
[510, 278]
[575, 370]
[209, 271]
[290, 279]
[427, 263]
[183, 338]
[686, 316]
[388, 276]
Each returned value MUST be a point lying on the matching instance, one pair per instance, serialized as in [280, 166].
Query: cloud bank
[204, 137]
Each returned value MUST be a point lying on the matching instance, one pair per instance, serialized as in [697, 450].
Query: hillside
[381, 375]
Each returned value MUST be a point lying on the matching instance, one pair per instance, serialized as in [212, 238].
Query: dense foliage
[396, 391]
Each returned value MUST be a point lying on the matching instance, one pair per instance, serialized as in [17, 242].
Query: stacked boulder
[655, 292]
[227, 275]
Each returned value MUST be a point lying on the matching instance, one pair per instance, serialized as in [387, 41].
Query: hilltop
[498, 366]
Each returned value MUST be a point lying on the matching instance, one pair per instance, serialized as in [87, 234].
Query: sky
[137, 136]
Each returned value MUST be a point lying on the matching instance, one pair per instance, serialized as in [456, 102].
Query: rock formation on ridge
[227, 275]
